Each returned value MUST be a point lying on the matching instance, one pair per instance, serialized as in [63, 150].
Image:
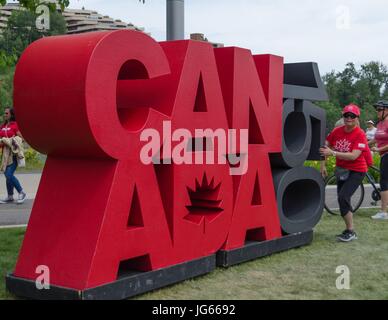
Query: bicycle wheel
[331, 201]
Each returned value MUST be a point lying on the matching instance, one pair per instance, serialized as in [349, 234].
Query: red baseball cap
[352, 108]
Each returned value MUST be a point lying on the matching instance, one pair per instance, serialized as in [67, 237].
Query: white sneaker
[380, 216]
[21, 198]
[7, 200]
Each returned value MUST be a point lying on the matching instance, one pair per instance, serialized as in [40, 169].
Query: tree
[372, 80]
[21, 31]
[363, 86]
[6, 87]
[33, 4]
[333, 114]
[345, 90]
[7, 60]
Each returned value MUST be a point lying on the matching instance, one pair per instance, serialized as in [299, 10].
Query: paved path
[13, 214]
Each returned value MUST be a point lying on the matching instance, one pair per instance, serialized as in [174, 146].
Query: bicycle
[331, 202]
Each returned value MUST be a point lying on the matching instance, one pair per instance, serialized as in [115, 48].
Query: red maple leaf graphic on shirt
[343, 145]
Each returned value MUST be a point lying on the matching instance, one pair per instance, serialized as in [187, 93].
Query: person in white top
[370, 131]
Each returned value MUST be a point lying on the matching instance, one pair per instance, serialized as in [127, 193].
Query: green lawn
[10, 242]
[305, 273]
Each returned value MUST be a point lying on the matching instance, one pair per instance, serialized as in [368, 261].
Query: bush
[330, 166]
[6, 88]
[33, 159]
[376, 163]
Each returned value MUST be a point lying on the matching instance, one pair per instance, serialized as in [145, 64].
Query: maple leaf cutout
[343, 145]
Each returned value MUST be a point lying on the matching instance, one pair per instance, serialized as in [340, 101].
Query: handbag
[21, 162]
[342, 174]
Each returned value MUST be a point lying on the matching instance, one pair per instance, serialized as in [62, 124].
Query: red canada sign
[103, 219]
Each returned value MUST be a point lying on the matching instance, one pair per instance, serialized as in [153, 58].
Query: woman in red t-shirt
[9, 129]
[347, 143]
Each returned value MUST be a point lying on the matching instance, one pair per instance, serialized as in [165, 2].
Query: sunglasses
[350, 115]
[380, 109]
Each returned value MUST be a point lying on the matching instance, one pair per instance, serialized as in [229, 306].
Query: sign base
[136, 283]
[125, 287]
[254, 250]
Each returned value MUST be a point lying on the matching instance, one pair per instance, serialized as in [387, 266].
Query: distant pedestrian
[370, 132]
[339, 123]
[11, 143]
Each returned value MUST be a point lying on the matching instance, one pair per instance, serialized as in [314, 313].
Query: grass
[304, 273]
[10, 242]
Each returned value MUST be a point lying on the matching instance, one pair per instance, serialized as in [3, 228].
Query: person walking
[381, 139]
[370, 132]
[9, 130]
[347, 144]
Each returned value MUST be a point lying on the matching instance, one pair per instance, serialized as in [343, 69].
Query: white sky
[331, 32]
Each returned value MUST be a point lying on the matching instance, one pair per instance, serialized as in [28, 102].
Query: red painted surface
[84, 101]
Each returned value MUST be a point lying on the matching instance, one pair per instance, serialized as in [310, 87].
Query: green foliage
[32, 4]
[7, 60]
[57, 24]
[330, 166]
[21, 31]
[33, 159]
[333, 113]
[363, 86]
[10, 243]
[6, 87]
[376, 163]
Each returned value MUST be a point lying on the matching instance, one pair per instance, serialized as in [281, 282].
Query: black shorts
[384, 173]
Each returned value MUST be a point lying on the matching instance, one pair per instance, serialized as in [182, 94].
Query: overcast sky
[331, 32]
